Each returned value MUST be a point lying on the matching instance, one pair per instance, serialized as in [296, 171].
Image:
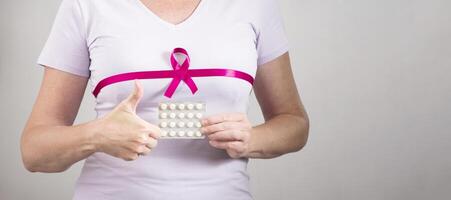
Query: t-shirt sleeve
[272, 41]
[66, 48]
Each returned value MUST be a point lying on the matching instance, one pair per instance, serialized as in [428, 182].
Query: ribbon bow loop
[181, 72]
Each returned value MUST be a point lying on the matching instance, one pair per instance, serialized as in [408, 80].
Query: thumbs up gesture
[124, 134]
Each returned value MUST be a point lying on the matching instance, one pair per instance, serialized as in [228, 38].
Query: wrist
[259, 143]
[253, 149]
[92, 130]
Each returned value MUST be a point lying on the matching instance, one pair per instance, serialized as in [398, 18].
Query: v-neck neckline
[194, 14]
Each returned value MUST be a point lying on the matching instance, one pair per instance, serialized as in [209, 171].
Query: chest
[132, 39]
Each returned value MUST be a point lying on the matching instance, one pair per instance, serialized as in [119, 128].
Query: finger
[150, 129]
[225, 145]
[130, 157]
[210, 129]
[152, 143]
[146, 150]
[227, 135]
[214, 119]
[134, 98]
[141, 138]
[156, 134]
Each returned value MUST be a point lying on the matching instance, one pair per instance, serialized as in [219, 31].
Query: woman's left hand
[229, 131]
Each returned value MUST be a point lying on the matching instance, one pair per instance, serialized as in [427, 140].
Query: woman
[96, 39]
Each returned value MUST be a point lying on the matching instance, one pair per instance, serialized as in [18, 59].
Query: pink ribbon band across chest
[179, 72]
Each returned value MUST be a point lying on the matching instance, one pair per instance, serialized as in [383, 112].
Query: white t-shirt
[101, 38]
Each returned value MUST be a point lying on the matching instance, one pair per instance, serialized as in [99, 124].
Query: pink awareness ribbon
[179, 72]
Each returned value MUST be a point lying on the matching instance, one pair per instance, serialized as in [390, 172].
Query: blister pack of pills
[181, 120]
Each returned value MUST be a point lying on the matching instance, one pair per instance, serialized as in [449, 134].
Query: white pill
[189, 124]
[190, 115]
[172, 115]
[181, 106]
[181, 133]
[181, 124]
[190, 133]
[163, 106]
[181, 119]
[198, 115]
[164, 133]
[172, 133]
[181, 115]
[172, 124]
[163, 124]
[199, 106]
[163, 115]
[198, 134]
[198, 125]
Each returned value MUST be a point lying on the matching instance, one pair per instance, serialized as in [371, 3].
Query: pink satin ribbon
[179, 72]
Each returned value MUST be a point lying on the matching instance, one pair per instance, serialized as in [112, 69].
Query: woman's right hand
[124, 134]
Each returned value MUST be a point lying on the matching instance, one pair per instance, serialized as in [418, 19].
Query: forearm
[49, 148]
[277, 136]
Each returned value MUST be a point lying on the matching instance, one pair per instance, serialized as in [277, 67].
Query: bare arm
[286, 122]
[51, 143]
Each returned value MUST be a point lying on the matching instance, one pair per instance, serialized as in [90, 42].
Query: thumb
[134, 98]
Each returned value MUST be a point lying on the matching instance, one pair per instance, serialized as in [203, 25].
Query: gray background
[373, 75]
